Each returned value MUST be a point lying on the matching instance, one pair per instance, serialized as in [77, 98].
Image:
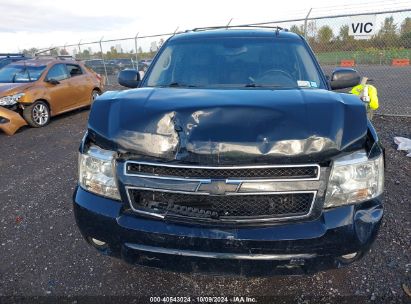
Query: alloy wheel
[40, 114]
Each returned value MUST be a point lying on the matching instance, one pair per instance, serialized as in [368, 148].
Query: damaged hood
[12, 88]
[229, 126]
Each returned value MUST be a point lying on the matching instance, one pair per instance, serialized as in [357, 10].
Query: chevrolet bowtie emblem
[218, 187]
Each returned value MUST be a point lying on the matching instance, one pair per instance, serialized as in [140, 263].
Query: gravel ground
[43, 253]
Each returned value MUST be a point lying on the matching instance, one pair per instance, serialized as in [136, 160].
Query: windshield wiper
[179, 85]
[253, 85]
[27, 70]
[257, 85]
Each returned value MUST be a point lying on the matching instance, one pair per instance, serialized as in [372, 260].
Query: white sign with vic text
[362, 27]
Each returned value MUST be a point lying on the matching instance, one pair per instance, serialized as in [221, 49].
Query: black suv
[233, 155]
[7, 58]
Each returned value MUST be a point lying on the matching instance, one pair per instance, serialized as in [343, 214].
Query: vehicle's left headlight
[355, 178]
[96, 172]
[10, 100]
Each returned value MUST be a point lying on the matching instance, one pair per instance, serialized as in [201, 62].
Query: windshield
[20, 73]
[235, 63]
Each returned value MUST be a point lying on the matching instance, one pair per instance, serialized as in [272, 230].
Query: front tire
[37, 115]
[94, 95]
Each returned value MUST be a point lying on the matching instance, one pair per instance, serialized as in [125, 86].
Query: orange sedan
[34, 90]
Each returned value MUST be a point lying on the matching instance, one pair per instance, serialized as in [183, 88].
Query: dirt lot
[43, 253]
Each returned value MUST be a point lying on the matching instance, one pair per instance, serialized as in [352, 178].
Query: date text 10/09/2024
[234, 299]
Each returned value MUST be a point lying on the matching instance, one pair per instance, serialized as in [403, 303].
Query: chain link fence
[384, 57]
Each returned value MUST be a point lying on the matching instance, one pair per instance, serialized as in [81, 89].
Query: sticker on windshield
[303, 83]
[313, 84]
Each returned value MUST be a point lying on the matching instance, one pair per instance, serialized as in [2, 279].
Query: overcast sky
[44, 23]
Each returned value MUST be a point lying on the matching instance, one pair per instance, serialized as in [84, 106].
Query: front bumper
[286, 248]
[10, 121]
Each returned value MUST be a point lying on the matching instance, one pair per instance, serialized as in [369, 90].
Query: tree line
[390, 35]
[88, 53]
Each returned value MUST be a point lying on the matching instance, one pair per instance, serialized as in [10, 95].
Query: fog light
[98, 242]
[4, 120]
[349, 256]
[99, 245]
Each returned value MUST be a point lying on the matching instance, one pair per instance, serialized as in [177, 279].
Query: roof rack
[64, 57]
[277, 28]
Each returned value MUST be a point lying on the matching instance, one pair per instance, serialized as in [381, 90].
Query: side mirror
[53, 81]
[343, 78]
[129, 78]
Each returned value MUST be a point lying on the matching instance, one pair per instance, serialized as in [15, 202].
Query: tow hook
[295, 263]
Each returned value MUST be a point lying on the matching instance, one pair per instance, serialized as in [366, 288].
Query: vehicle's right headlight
[96, 172]
[10, 100]
[355, 178]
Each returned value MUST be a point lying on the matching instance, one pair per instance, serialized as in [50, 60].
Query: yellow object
[372, 93]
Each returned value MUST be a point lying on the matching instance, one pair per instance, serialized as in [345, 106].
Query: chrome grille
[245, 194]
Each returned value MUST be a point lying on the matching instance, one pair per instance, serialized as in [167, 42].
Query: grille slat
[223, 206]
[262, 172]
